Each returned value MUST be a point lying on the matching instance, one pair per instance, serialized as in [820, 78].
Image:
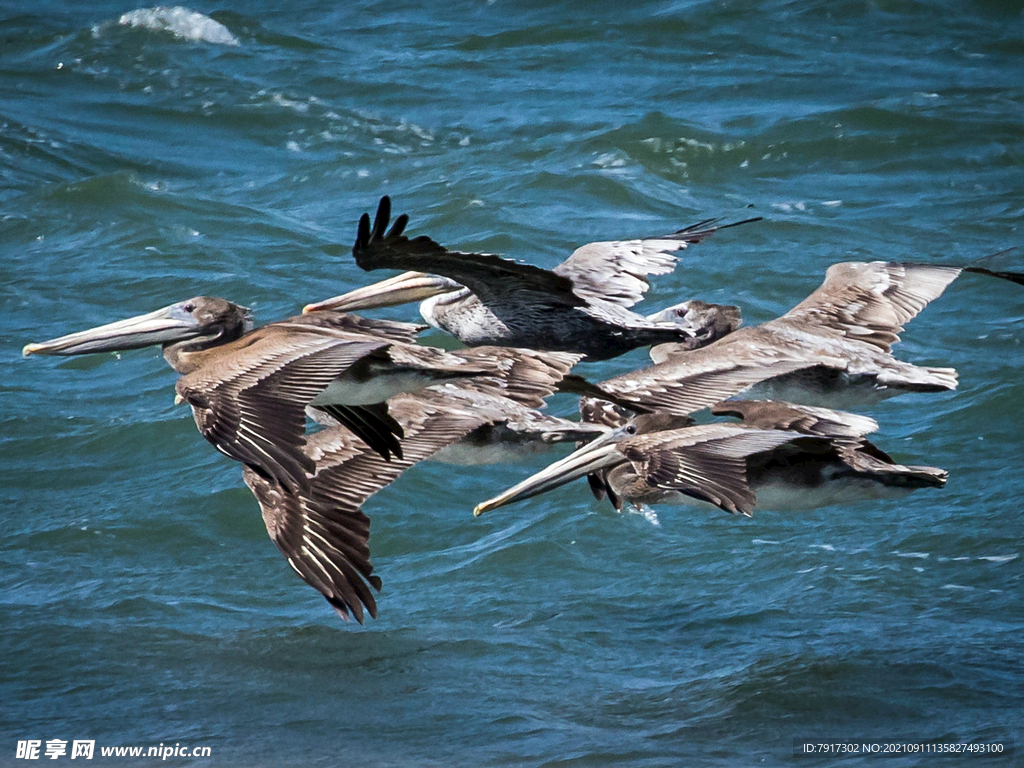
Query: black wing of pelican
[580, 306]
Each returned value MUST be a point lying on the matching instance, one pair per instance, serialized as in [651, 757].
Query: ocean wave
[180, 22]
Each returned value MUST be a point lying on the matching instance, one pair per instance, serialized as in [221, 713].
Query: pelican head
[708, 322]
[401, 289]
[206, 319]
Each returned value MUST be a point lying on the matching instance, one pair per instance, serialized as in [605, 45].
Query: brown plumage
[249, 389]
[320, 526]
[833, 347]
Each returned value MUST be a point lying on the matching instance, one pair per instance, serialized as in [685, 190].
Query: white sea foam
[998, 558]
[180, 22]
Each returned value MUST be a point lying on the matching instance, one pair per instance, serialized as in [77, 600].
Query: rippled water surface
[150, 155]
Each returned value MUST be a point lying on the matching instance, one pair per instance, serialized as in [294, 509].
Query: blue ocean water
[149, 155]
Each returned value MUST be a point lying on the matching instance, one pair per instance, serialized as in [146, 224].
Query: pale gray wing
[871, 301]
[773, 414]
[690, 381]
[616, 271]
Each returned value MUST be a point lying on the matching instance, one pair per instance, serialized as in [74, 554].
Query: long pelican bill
[599, 454]
[170, 324]
[401, 289]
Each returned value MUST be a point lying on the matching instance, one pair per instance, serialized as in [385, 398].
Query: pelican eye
[190, 307]
[630, 429]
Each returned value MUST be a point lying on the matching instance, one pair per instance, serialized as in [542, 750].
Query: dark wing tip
[362, 234]
[702, 229]
[369, 235]
[399, 226]
[740, 223]
[373, 425]
[1013, 277]
[380, 221]
[354, 611]
[726, 408]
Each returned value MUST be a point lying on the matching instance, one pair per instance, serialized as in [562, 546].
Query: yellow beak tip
[28, 349]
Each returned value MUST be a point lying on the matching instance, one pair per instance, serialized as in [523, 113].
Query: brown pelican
[582, 305]
[834, 348]
[661, 458]
[249, 389]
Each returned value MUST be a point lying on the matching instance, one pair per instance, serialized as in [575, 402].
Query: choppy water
[149, 156]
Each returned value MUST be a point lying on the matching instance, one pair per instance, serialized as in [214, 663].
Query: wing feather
[707, 462]
[616, 271]
[872, 301]
[492, 278]
[321, 528]
[250, 402]
[770, 414]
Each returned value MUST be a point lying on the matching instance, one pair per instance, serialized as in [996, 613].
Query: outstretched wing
[689, 382]
[250, 402]
[616, 271]
[321, 529]
[494, 279]
[872, 301]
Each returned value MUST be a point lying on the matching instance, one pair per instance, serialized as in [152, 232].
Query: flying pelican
[249, 389]
[582, 305]
[661, 458]
[833, 348]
